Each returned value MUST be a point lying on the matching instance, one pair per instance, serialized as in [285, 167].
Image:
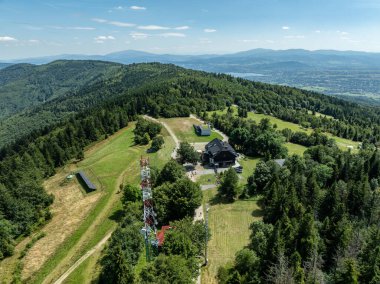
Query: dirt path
[225, 137]
[95, 248]
[105, 239]
[176, 141]
[83, 258]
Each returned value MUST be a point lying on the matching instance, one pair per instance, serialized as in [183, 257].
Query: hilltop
[356, 74]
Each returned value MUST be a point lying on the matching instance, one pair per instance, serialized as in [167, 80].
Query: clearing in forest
[184, 130]
[229, 227]
[342, 143]
[81, 220]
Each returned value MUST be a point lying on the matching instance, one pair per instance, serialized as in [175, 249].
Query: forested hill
[55, 132]
[25, 85]
[50, 93]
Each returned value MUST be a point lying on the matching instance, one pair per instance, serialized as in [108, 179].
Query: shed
[89, 186]
[202, 130]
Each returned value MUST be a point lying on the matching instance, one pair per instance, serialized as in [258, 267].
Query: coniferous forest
[321, 211]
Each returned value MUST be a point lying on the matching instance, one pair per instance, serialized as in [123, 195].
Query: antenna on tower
[149, 230]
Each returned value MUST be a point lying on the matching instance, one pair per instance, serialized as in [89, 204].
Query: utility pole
[206, 234]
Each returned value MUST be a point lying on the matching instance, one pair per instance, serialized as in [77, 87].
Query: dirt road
[83, 258]
[176, 141]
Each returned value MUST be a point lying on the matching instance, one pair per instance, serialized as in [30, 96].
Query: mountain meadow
[321, 210]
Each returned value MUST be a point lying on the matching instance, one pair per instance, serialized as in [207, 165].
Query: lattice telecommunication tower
[149, 230]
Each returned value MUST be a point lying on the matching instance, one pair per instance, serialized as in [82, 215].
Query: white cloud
[102, 39]
[82, 28]
[204, 41]
[248, 40]
[182, 28]
[33, 41]
[119, 8]
[152, 28]
[137, 35]
[99, 20]
[173, 35]
[7, 38]
[209, 30]
[121, 24]
[286, 28]
[294, 36]
[318, 31]
[137, 8]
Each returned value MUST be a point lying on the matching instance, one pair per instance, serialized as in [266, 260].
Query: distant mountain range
[251, 59]
[351, 74]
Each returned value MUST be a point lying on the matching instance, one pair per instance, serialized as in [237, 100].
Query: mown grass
[229, 226]
[184, 130]
[342, 143]
[207, 179]
[281, 124]
[108, 160]
[295, 149]
[249, 165]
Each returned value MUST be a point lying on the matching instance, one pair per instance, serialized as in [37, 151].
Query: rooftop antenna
[149, 230]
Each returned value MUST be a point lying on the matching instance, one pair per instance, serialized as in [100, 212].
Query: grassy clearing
[112, 161]
[229, 226]
[249, 165]
[184, 130]
[295, 149]
[281, 124]
[342, 143]
[207, 179]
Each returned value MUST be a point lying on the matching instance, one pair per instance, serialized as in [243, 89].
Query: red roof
[161, 234]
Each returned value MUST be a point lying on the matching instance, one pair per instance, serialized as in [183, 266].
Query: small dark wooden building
[86, 183]
[202, 130]
[219, 154]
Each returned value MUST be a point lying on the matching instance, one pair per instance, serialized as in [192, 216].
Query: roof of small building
[216, 146]
[88, 183]
[161, 234]
[203, 130]
[280, 162]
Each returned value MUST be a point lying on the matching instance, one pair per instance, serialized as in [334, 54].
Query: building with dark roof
[219, 154]
[202, 130]
[86, 183]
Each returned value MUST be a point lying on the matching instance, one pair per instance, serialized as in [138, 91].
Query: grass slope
[112, 161]
[342, 143]
[184, 130]
[229, 226]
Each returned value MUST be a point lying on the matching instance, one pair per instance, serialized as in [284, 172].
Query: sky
[40, 28]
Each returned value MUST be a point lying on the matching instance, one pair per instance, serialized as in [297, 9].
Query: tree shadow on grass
[117, 216]
[219, 199]
[258, 213]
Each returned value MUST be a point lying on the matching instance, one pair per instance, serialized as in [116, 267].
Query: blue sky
[37, 28]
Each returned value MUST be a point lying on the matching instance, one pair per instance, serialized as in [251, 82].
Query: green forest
[321, 211]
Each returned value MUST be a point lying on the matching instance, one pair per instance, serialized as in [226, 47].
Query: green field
[229, 227]
[249, 165]
[113, 161]
[207, 179]
[184, 130]
[295, 149]
[342, 143]
[281, 124]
